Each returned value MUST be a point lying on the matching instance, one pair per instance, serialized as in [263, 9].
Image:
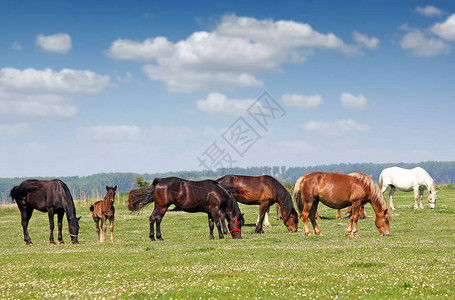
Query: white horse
[416, 179]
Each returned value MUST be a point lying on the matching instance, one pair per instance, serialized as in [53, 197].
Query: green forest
[93, 186]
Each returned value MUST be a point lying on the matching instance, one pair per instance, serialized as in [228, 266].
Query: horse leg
[421, 198]
[278, 212]
[312, 215]
[26, 214]
[392, 190]
[223, 221]
[216, 219]
[416, 196]
[355, 217]
[97, 227]
[339, 213]
[111, 227]
[60, 225]
[362, 213]
[157, 218]
[103, 229]
[50, 214]
[266, 222]
[262, 210]
[211, 226]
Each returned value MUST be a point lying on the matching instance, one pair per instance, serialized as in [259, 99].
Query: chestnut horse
[296, 194]
[191, 196]
[51, 196]
[104, 210]
[263, 191]
[338, 191]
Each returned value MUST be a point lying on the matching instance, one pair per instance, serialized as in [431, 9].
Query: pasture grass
[416, 261]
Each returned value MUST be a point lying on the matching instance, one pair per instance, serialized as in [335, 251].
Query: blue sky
[145, 86]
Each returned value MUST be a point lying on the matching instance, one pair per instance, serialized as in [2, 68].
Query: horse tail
[297, 195]
[137, 199]
[92, 208]
[380, 181]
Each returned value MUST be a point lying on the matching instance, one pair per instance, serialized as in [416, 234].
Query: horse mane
[26, 187]
[368, 181]
[284, 198]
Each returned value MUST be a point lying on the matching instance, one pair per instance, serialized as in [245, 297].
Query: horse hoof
[61, 242]
[260, 232]
[52, 243]
[268, 225]
[28, 243]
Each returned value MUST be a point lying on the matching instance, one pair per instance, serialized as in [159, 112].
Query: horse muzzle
[385, 233]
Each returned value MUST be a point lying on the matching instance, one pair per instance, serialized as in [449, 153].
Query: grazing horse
[263, 191]
[104, 210]
[191, 196]
[407, 180]
[51, 196]
[298, 202]
[338, 191]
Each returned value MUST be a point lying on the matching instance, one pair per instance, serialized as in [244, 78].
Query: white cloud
[429, 11]
[446, 30]
[230, 56]
[108, 133]
[59, 43]
[371, 43]
[150, 49]
[216, 103]
[16, 46]
[420, 44]
[32, 93]
[352, 101]
[301, 101]
[34, 147]
[337, 128]
[14, 129]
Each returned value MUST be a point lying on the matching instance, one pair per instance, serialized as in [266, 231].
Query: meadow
[416, 261]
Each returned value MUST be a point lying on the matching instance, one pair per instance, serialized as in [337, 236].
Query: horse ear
[107, 188]
[386, 211]
[436, 192]
[115, 188]
[78, 218]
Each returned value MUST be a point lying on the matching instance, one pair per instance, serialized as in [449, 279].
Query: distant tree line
[93, 186]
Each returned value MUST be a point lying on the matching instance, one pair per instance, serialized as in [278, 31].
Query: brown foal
[104, 210]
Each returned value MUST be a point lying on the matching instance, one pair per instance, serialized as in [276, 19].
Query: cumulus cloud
[59, 43]
[32, 93]
[421, 44]
[301, 101]
[337, 128]
[429, 11]
[446, 30]
[108, 133]
[371, 43]
[14, 129]
[229, 56]
[352, 101]
[216, 104]
[16, 46]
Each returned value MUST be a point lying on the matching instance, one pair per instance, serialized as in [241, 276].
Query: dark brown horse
[263, 191]
[339, 191]
[104, 210]
[191, 196]
[296, 194]
[51, 196]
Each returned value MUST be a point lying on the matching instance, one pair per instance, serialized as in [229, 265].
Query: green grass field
[416, 261]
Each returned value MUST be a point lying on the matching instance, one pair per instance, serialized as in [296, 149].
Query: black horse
[191, 196]
[51, 196]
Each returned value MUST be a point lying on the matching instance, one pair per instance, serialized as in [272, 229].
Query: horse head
[383, 222]
[291, 220]
[110, 195]
[235, 226]
[432, 197]
[73, 225]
